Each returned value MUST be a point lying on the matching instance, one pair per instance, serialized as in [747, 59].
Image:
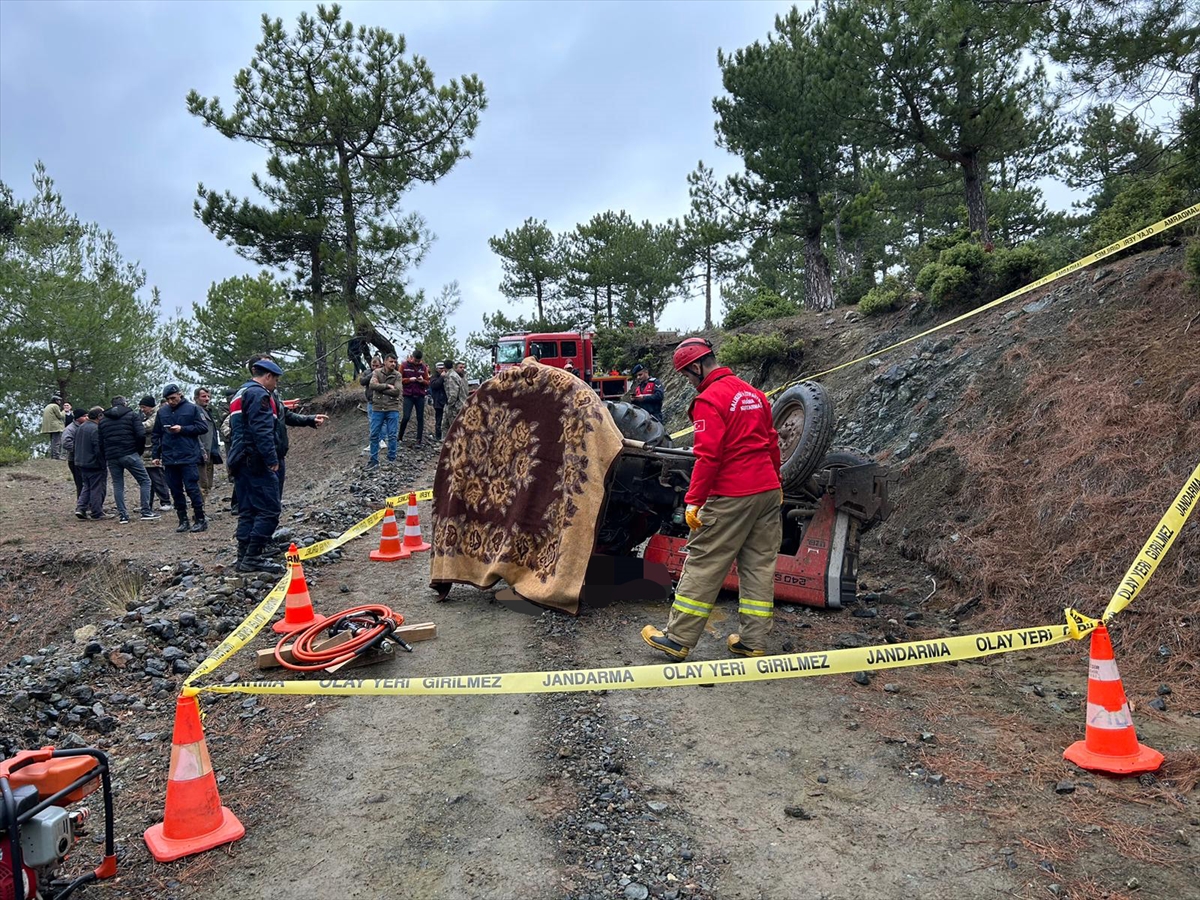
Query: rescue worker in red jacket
[733, 508]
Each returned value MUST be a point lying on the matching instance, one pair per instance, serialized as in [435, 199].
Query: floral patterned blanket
[520, 485]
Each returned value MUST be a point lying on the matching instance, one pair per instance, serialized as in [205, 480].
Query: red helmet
[690, 350]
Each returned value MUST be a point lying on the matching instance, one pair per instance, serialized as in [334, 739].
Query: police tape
[358, 528]
[244, 633]
[401, 499]
[1124, 243]
[1156, 546]
[765, 668]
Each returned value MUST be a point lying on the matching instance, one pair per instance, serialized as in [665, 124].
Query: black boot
[201, 525]
[254, 560]
[242, 547]
[183, 523]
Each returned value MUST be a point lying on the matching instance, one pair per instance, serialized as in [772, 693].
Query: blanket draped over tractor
[520, 486]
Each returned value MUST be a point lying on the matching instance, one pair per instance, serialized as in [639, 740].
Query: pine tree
[240, 316]
[71, 316]
[948, 76]
[780, 116]
[711, 233]
[350, 104]
[532, 261]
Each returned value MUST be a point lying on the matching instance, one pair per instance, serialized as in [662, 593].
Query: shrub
[763, 305]
[854, 288]
[927, 276]
[760, 350]
[10, 456]
[968, 255]
[1010, 268]
[1191, 264]
[1141, 203]
[882, 299]
[954, 284]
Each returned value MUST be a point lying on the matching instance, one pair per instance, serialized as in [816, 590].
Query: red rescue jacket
[736, 445]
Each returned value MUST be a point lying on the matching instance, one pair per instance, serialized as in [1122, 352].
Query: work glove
[692, 515]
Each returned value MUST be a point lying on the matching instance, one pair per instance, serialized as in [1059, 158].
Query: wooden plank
[266, 658]
[379, 654]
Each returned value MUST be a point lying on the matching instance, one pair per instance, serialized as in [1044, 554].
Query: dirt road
[942, 781]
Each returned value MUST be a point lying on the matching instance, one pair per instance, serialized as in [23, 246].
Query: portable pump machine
[38, 831]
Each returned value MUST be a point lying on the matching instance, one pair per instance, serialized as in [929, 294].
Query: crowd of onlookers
[169, 447]
[394, 391]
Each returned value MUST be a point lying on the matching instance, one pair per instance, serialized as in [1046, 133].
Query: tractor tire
[637, 424]
[804, 417]
[837, 458]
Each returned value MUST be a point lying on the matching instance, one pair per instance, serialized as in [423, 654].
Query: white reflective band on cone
[188, 762]
[1099, 717]
[1103, 670]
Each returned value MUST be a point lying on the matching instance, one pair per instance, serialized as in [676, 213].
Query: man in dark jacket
[285, 419]
[437, 393]
[68, 447]
[414, 376]
[175, 443]
[123, 438]
[647, 392]
[158, 478]
[89, 459]
[254, 462]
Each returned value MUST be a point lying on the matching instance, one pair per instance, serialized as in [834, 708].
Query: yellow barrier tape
[265, 611]
[322, 547]
[766, 668]
[1156, 546]
[1115, 247]
[402, 499]
[243, 634]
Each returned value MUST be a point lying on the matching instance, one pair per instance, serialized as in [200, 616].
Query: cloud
[591, 107]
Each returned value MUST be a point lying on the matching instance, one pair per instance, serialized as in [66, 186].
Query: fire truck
[558, 349]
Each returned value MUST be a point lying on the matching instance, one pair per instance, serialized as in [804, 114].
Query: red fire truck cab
[557, 349]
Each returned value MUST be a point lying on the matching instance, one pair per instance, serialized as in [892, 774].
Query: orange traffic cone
[389, 542]
[1110, 743]
[298, 612]
[413, 542]
[194, 820]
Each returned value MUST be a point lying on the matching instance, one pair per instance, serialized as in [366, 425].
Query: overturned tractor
[830, 497]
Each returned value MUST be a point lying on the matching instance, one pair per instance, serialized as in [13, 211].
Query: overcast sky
[591, 106]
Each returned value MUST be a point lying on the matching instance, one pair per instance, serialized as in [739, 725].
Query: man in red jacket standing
[733, 507]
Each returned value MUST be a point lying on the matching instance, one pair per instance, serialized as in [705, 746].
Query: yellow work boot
[660, 641]
[734, 642]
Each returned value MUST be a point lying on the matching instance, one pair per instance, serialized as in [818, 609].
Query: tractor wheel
[804, 418]
[637, 424]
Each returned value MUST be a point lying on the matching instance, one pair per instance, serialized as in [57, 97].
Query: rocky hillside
[1035, 445]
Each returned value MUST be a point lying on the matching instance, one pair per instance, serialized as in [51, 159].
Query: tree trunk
[608, 289]
[362, 322]
[973, 172]
[818, 280]
[708, 267]
[541, 314]
[318, 311]
[841, 246]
